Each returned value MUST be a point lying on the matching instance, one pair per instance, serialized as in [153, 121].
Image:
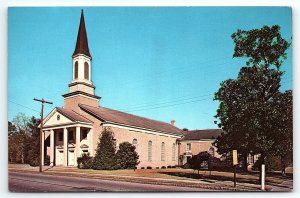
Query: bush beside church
[107, 158]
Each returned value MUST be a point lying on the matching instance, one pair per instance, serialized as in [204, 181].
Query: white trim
[67, 125]
[81, 95]
[139, 130]
[49, 116]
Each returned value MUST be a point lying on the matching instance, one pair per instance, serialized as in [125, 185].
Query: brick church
[75, 128]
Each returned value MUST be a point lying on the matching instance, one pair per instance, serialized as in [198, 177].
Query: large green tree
[105, 158]
[283, 126]
[246, 106]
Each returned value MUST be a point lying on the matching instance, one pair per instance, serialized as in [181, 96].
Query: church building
[74, 129]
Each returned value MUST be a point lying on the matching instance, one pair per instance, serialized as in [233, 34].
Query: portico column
[43, 143]
[90, 138]
[65, 147]
[51, 147]
[77, 144]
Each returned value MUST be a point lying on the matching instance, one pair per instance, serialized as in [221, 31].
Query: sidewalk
[152, 177]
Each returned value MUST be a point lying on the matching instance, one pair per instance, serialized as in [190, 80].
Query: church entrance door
[60, 160]
[71, 158]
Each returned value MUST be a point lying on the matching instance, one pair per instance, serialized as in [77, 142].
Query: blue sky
[162, 63]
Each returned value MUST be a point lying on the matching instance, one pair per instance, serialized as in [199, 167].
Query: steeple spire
[82, 46]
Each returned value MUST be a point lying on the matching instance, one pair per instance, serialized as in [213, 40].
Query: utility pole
[41, 129]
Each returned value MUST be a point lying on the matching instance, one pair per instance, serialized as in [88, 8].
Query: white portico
[69, 135]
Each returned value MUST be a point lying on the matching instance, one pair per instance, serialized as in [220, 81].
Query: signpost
[235, 163]
[263, 177]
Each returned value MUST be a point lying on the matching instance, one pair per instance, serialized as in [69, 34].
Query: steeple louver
[82, 46]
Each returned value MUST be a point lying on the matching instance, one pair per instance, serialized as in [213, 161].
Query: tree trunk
[245, 162]
[283, 166]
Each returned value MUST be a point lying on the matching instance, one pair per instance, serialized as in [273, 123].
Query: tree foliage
[105, 158]
[263, 47]
[23, 140]
[127, 157]
[254, 114]
[199, 161]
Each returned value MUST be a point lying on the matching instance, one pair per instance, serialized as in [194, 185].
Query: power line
[163, 103]
[23, 106]
[171, 105]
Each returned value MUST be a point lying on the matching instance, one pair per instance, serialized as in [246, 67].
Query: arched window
[163, 156]
[173, 151]
[134, 142]
[76, 70]
[86, 71]
[212, 151]
[150, 151]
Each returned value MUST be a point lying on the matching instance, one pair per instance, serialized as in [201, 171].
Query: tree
[18, 138]
[197, 161]
[283, 119]
[23, 140]
[105, 158]
[127, 157]
[263, 47]
[34, 142]
[246, 109]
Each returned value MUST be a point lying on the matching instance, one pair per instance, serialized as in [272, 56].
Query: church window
[134, 142]
[86, 71]
[150, 151]
[76, 70]
[173, 151]
[188, 146]
[58, 117]
[163, 156]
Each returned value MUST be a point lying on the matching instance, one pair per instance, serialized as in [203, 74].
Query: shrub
[272, 163]
[127, 157]
[219, 165]
[149, 167]
[85, 161]
[105, 158]
[199, 161]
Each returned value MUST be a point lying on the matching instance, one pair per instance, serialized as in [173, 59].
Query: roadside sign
[234, 157]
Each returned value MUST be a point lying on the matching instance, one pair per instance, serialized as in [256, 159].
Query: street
[27, 182]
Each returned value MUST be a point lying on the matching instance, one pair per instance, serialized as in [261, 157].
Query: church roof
[118, 117]
[82, 46]
[202, 134]
[72, 115]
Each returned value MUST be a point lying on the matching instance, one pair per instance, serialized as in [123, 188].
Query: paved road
[27, 182]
